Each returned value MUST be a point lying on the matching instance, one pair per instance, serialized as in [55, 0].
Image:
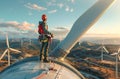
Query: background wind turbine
[117, 54]
[103, 49]
[8, 50]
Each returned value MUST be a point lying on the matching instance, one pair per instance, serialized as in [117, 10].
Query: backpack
[40, 29]
[42, 37]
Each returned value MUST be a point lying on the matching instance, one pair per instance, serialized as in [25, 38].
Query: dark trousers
[44, 51]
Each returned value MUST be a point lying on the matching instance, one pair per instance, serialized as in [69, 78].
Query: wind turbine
[103, 49]
[117, 54]
[21, 42]
[8, 50]
[82, 24]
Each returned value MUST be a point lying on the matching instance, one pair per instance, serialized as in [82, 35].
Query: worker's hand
[52, 35]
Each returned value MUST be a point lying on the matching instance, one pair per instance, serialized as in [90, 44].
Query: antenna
[8, 50]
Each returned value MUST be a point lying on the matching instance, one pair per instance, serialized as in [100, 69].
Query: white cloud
[16, 25]
[60, 32]
[16, 29]
[72, 1]
[67, 8]
[35, 7]
[60, 5]
[52, 11]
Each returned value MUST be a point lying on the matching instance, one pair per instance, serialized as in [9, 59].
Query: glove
[52, 35]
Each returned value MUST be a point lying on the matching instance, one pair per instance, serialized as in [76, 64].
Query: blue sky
[22, 16]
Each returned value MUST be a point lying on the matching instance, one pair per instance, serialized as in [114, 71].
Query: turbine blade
[105, 50]
[3, 54]
[98, 48]
[119, 57]
[114, 53]
[15, 50]
[119, 50]
[80, 27]
[7, 42]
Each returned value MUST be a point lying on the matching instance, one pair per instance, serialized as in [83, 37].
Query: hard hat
[44, 17]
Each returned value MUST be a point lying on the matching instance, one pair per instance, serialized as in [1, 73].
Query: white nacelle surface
[38, 70]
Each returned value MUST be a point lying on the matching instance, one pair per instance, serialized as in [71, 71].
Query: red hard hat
[44, 17]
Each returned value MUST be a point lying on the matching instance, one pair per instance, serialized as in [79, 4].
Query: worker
[44, 37]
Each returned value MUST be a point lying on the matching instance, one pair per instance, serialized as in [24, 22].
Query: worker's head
[44, 17]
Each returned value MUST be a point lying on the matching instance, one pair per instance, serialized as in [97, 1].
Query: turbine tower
[117, 57]
[103, 49]
[8, 50]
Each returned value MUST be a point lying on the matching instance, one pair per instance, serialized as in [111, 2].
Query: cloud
[68, 9]
[17, 34]
[35, 7]
[16, 29]
[60, 32]
[61, 28]
[16, 25]
[60, 5]
[72, 1]
[52, 11]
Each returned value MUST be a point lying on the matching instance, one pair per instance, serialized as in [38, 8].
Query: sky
[19, 18]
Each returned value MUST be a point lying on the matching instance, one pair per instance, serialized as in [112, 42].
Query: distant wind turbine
[103, 49]
[30, 41]
[117, 54]
[21, 43]
[8, 50]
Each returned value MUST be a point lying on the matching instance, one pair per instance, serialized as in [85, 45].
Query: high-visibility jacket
[43, 31]
[43, 28]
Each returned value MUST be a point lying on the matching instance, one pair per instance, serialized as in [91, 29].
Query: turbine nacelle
[117, 54]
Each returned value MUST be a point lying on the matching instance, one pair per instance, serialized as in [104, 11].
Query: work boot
[46, 60]
[41, 57]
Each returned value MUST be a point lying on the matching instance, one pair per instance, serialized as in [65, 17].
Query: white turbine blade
[119, 50]
[114, 53]
[80, 27]
[15, 50]
[98, 48]
[7, 42]
[3, 54]
[105, 50]
[119, 57]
